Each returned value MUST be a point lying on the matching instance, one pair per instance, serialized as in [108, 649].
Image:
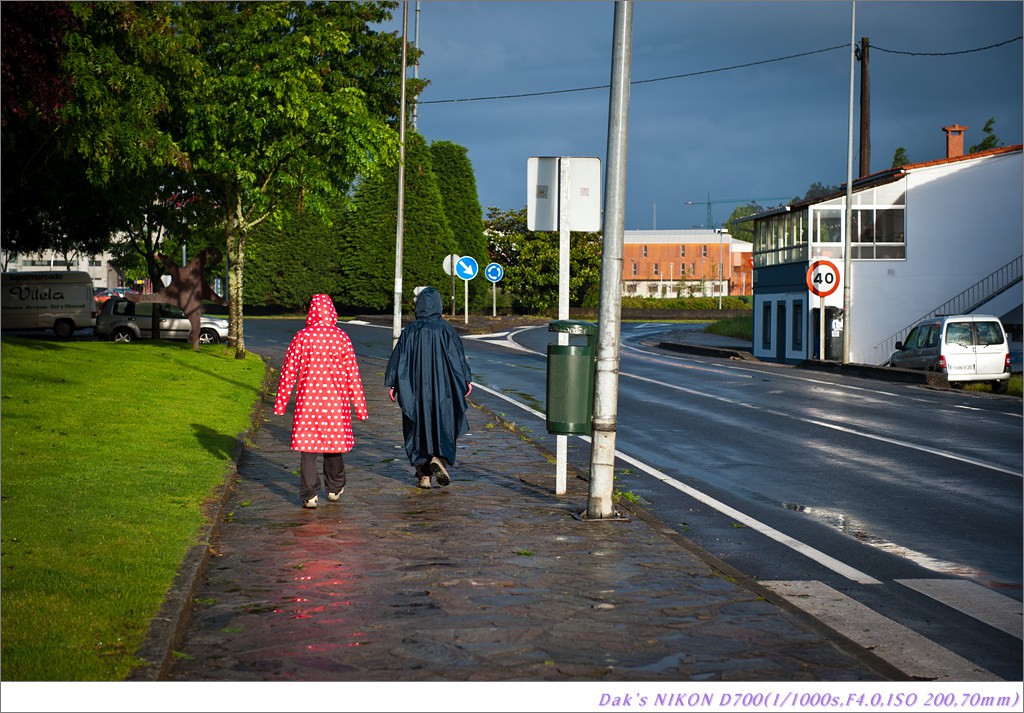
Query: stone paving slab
[493, 578]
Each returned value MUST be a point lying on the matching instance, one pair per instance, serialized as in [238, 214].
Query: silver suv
[965, 347]
[125, 321]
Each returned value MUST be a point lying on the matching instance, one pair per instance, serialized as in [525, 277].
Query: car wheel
[208, 336]
[63, 328]
[123, 335]
[999, 387]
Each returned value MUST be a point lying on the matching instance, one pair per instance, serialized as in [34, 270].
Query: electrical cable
[709, 71]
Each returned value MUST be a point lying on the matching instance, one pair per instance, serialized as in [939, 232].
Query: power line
[706, 71]
[945, 54]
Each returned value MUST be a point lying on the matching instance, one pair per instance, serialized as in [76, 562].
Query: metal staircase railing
[966, 302]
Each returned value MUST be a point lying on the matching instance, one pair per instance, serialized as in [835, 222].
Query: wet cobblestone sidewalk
[493, 578]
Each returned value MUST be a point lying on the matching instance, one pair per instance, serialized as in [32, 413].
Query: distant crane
[709, 202]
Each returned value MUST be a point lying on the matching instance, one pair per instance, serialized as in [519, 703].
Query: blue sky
[722, 130]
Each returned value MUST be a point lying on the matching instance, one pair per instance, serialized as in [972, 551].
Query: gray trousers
[334, 474]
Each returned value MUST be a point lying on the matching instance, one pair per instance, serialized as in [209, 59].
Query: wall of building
[683, 263]
[963, 221]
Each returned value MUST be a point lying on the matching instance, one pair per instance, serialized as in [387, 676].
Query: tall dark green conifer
[457, 182]
[369, 234]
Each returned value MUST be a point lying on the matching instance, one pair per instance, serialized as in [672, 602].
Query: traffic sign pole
[494, 272]
[467, 268]
[822, 280]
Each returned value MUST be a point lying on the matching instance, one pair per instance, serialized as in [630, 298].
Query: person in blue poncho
[429, 377]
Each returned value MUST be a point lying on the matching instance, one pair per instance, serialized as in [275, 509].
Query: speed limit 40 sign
[823, 278]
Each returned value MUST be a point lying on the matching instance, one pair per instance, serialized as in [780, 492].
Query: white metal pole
[720, 285]
[396, 322]
[606, 379]
[849, 194]
[465, 301]
[564, 193]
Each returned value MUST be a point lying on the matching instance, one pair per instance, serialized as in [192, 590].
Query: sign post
[494, 272]
[449, 269]
[466, 268]
[822, 280]
[563, 193]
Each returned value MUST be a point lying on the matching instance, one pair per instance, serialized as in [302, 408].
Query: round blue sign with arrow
[494, 272]
[466, 268]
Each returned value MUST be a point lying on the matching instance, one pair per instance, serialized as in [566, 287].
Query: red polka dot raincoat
[321, 359]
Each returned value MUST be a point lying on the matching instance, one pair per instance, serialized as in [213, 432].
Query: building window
[645, 251]
[766, 325]
[656, 269]
[634, 269]
[798, 326]
[682, 251]
[693, 269]
[703, 250]
[878, 234]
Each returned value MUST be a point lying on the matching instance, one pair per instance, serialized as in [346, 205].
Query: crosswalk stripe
[915, 655]
[975, 601]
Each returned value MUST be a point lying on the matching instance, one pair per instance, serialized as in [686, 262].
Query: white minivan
[59, 300]
[965, 347]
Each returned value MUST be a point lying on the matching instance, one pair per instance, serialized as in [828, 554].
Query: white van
[966, 347]
[61, 301]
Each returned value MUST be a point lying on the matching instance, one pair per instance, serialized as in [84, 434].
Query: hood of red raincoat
[321, 312]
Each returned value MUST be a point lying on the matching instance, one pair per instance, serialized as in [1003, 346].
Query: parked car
[102, 296]
[125, 321]
[965, 347]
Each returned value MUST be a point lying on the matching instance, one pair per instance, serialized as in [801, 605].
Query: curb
[168, 626]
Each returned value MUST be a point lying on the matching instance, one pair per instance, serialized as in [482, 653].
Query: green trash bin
[570, 392]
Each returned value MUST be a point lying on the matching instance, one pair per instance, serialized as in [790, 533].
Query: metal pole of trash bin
[562, 442]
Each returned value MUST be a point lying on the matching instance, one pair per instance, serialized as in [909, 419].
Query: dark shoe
[438, 469]
[425, 482]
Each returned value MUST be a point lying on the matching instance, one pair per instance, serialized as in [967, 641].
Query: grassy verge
[109, 453]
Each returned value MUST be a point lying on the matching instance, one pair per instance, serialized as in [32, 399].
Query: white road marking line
[833, 426]
[766, 530]
[904, 648]
[974, 600]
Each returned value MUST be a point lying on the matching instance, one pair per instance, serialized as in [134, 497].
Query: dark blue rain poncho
[430, 375]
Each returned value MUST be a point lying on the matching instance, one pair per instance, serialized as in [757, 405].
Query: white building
[99, 267]
[942, 237]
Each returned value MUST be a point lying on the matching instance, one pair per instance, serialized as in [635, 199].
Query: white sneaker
[311, 503]
[439, 471]
[335, 496]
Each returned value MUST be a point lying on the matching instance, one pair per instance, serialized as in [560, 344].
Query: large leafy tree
[48, 202]
[369, 235]
[530, 259]
[272, 114]
[457, 182]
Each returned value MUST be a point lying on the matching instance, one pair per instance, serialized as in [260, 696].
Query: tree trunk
[236, 257]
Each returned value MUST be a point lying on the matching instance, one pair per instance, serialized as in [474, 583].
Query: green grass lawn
[109, 452]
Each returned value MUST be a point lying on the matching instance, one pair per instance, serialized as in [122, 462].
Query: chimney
[954, 140]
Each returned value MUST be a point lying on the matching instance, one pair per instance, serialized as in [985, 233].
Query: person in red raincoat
[430, 378]
[321, 359]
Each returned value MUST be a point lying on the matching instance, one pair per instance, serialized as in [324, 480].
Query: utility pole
[865, 109]
[606, 376]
